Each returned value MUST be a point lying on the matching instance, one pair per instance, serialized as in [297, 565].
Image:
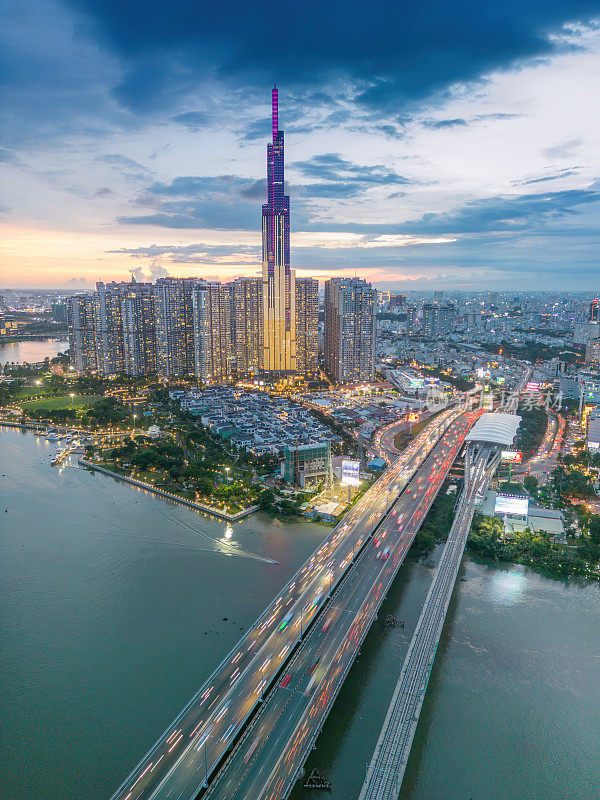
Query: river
[31, 351]
[113, 606]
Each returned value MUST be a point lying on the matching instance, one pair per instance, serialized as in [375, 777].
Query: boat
[53, 437]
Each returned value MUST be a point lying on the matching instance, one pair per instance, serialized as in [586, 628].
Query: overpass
[185, 756]
[271, 753]
[385, 772]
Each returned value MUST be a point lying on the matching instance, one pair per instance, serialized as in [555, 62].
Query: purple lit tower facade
[279, 290]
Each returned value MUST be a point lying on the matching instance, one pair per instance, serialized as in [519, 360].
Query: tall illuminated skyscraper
[279, 302]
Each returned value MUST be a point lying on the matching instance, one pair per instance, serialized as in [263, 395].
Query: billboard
[512, 456]
[507, 504]
[351, 473]
[532, 387]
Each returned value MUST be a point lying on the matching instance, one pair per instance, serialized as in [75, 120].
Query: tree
[205, 486]
[265, 499]
[530, 483]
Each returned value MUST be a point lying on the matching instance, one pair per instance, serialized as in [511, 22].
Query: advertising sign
[532, 387]
[512, 456]
[507, 504]
[351, 473]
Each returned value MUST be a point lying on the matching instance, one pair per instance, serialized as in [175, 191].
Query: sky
[429, 145]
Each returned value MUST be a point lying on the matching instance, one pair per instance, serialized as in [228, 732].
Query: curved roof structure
[495, 428]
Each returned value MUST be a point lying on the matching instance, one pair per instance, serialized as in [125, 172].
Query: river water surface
[112, 605]
[31, 351]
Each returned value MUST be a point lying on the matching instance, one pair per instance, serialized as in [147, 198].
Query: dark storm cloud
[165, 48]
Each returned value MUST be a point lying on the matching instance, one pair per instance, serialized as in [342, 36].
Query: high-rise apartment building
[446, 316]
[279, 305]
[213, 346]
[109, 327]
[592, 354]
[307, 326]
[139, 330]
[247, 317]
[412, 316]
[82, 332]
[429, 321]
[170, 317]
[350, 314]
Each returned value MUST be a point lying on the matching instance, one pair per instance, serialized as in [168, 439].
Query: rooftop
[495, 428]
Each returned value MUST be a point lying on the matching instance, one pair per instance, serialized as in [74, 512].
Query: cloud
[565, 173]
[78, 283]
[194, 120]
[381, 51]
[127, 167]
[436, 124]
[562, 150]
[332, 167]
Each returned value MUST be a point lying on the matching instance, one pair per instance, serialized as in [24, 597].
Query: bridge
[270, 755]
[385, 772]
[200, 739]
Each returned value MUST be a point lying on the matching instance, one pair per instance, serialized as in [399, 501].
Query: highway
[266, 761]
[186, 754]
[386, 769]
[544, 459]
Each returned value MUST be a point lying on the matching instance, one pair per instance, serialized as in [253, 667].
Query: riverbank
[215, 512]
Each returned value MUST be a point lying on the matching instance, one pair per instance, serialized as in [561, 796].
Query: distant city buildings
[350, 314]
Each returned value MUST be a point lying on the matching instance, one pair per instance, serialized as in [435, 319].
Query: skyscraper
[213, 349]
[82, 332]
[594, 312]
[248, 324]
[109, 327]
[429, 323]
[279, 304]
[307, 326]
[171, 335]
[412, 315]
[139, 330]
[350, 313]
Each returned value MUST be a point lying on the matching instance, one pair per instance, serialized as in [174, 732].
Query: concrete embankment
[215, 512]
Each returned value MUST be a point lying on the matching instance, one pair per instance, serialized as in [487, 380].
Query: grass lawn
[59, 403]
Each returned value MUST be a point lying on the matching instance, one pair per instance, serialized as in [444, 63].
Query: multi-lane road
[188, 752]
[266, 761]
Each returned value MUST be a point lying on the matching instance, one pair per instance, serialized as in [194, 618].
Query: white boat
[53, 437]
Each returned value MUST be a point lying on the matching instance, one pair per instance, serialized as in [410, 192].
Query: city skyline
[459, 155]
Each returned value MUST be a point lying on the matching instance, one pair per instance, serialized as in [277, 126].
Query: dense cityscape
[320, 517]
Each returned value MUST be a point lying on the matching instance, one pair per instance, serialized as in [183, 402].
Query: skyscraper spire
[279, 315]
[275, 112]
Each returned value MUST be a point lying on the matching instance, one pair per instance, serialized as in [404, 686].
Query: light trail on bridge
[186, 754]
[266, 761]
